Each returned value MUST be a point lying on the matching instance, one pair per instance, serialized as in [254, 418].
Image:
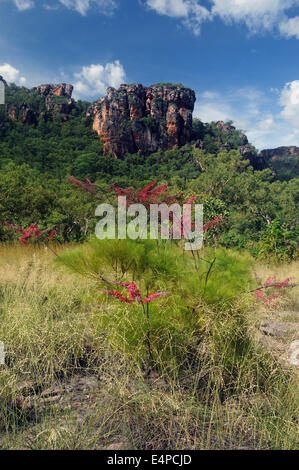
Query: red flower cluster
[271, 282]
[148, 195]
[31, 232]
[134, 294]
[86, 185]
[213, 223]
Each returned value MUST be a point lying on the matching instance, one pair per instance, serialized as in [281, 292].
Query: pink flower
[134, 293]
[269, 300]
[86, 185]
[32, 231]
[155, 296]
[118, 295]
[269, 281]
[285, 283]
[52, 234]
[213, 223]
[191, 200]
[259, 295]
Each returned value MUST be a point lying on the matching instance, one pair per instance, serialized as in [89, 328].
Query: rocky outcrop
[48, 100]
[139, 119]
[283, 161]
[23, 113]
[58, 97]
[62, 89]
[27, 115]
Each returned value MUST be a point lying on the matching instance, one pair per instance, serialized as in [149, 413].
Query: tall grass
[212, 386]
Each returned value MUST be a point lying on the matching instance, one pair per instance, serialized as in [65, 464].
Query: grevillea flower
[213, 223]
[52, 234]
[155, 296]
[259, 295]
[269, 281]
[148, 195]
[86, 185]
[191, 200]
[269, 300]
[134, 294]
[13, 227]
[119, 296]
[31, 232]
[285, 283]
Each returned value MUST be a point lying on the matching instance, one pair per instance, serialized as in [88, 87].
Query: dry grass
[53, 334]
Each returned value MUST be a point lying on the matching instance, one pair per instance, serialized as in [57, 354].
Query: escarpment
[135, 118]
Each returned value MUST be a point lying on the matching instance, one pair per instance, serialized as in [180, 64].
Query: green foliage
[277, 242]
[170, 85]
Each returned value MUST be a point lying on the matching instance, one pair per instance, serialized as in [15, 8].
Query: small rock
[273, 328]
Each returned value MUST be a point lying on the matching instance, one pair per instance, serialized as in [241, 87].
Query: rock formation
[139, 119]
[62, 89]
[23, 112]
[283, 161]
[58, 97]
[55, 99]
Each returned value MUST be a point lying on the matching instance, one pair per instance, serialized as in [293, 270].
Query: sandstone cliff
[43, 100]
[58, 97]
[283, 161]
[139, 119]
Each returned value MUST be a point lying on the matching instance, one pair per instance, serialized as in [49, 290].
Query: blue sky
[240, 56]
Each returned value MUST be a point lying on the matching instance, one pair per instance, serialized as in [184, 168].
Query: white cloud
[289, 100]
[11, 74]
[23, 4]
[191, 13]
[93, 80]
[106, 7]
[269, 120]
[258, 15]
[290, 27]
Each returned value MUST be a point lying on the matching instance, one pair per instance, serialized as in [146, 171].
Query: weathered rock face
[58, 97]
[283, 161]
[23, 112]
[62, 89]
[139, 119]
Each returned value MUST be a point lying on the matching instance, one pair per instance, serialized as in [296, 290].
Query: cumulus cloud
[190, 12]
[290, 27]
[269, 120]
[93, 80]
[258, 15]
[106, 7]
[11, 74]
[289, 100]
[23, 4]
